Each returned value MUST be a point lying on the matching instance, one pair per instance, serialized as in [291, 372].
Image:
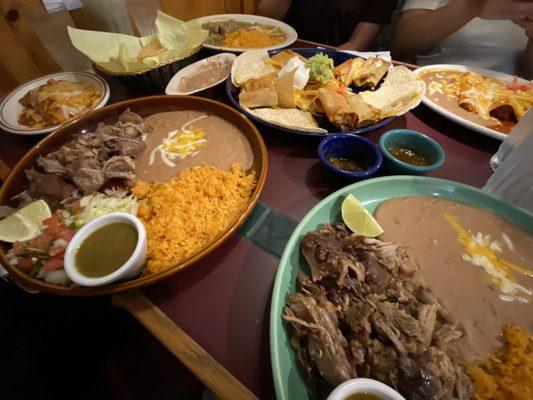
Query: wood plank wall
[23, 56]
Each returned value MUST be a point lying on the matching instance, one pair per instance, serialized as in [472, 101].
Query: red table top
[223, 302]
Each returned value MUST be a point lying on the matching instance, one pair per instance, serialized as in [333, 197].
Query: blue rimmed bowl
[415, 141]
[359, 149]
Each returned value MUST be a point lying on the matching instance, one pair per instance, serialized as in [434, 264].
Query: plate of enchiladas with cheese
[44, 104]
[486, 101]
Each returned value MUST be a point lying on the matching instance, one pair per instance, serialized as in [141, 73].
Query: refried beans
[217, 143]
[474, 301]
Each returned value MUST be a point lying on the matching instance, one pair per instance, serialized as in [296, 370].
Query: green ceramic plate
[288, 378]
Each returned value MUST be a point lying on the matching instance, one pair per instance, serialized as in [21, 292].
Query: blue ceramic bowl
[359, 149]
[338, 58]
[415, 141]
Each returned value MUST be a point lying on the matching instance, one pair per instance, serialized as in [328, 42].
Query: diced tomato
[54, 251]
[18, 248]
[52, 225]
[55, 262]
[76, 207]
[341, 90]
[65, 233]
[25, 263]
[514, 85]
[42, 242]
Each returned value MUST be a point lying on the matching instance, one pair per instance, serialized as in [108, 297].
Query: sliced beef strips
[364, 312]
[87, 163]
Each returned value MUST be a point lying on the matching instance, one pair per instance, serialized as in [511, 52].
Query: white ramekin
[131, 268]
[362, 385]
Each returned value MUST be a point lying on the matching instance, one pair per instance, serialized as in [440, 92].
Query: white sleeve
[422, 4]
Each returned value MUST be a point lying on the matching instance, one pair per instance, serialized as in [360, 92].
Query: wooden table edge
[211, 373]
[190, 353]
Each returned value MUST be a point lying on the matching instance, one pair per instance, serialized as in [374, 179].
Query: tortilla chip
[401, 91]
[279, 60]
[265, 81]
[291, 118]
[117, 52]
[305, 99]
[250, 65]
[150, 50]
[285, 89]
[265, 97]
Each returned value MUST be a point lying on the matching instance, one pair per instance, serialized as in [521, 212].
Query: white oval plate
[172, 87]
[10, 106]
[290, 33]
[460, 120]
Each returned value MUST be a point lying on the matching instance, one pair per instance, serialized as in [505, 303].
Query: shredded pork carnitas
[85, 164]
[363, 312]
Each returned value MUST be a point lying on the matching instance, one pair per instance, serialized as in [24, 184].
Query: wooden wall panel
[23, 56]
[190, 9]
[248, 6]
[232, 7]
[215, 7]
[7, 81]
[15, 59]
[184, 9]
[14, 14]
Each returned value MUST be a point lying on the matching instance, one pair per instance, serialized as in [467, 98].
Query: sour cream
[301, 77]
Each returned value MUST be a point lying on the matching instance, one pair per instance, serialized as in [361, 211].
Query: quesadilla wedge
[291, 118]
[250, 65]
[401, 91]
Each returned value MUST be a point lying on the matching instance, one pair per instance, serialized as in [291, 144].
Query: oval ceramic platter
[458, 119]
[144, 106]
[10, 107]
[338, 58]
[290, 33]
[289, 381]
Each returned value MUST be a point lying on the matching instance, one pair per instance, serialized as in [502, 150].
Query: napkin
[512, 179]
[116, 52]
[366, 54]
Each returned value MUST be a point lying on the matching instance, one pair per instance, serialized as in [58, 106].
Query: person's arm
[364, 34]
[273, 8]
[525, 63]
[419, 30]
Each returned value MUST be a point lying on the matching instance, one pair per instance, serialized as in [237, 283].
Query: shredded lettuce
[96, 205]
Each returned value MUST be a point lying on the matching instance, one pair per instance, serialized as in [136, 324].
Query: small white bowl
[131, 268]
[364, 385]
[172, 87]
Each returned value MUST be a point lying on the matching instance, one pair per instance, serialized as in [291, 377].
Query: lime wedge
[24, 224]
[358, 219]
[35, 213]
[15, 228]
